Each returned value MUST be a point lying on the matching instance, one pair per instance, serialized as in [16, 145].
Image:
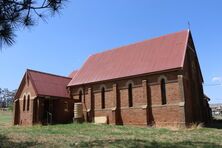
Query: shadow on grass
[5, 142]
[143, 143]
[216, 123]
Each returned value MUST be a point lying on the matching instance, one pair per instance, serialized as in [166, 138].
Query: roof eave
[51, 96]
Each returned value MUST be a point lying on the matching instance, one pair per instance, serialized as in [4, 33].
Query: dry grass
[91, 135]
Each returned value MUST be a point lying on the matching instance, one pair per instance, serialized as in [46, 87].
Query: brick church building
[154, 82]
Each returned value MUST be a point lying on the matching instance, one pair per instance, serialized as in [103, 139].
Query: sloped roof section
[73, 74]
[49, 84]
[158, 54]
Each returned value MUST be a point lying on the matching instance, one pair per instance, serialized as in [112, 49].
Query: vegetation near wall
[91, 135]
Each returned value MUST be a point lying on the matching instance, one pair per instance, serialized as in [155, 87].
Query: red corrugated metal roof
[49, 84]
[72, 74]
[158, 54]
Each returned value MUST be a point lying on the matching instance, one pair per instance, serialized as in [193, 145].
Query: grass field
[90, 135]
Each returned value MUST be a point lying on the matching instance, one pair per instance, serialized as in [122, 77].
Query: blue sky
[86, 27]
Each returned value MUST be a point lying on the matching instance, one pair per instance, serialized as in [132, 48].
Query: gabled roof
[49, 84]
[46, 84]
[154, 55]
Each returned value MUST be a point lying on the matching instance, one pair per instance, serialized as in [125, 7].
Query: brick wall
[194, 96]
[147, 106]
[25, 116]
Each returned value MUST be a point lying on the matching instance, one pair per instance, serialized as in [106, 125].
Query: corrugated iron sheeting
[162, 53]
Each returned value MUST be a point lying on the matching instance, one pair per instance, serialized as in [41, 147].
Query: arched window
[28, 102]
[130, 95]
[103, 98]
[24, 101]
[163, 91]
[80, 95]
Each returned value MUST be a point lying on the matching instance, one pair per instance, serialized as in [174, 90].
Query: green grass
[5, 118]
[91, 135]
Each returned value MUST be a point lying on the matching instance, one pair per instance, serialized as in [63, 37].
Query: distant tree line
[6, 97]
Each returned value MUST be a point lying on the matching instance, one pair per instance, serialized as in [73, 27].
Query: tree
[1, 93]
[15, 14]
[6, 97]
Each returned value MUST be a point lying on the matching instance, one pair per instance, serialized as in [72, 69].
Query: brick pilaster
[147, 106]
[90, 111]
[181, 91]
[32, 110]
[115, 105]
[145, 95]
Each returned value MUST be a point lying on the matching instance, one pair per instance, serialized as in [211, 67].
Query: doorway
[48, 112]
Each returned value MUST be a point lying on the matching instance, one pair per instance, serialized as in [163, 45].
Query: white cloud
[217, 79]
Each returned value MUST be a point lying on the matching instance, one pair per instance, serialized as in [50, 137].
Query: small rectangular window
[130, 95]
[163, 92]
[103, 98]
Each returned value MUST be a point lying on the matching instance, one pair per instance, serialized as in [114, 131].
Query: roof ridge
[48, 73]
[154, 38]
